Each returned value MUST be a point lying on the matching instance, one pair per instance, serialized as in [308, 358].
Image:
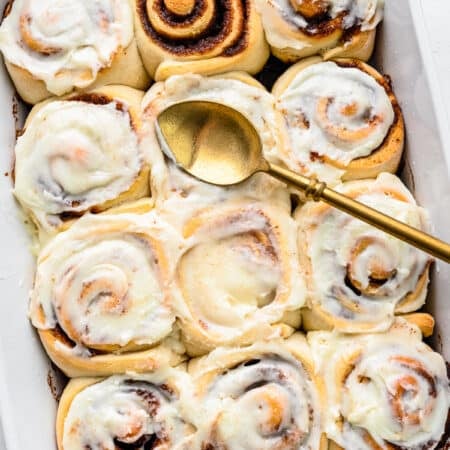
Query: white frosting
[279, 14]
[266, 401]
[239, 272]
[73, 156]
[126, 409]
[341, 247]
[397, 390]
[338, 112]
[104, 281]
[169, 184]
[79, 38]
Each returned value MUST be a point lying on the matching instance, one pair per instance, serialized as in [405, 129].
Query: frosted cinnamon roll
[359, 277]
[125, 412]
[343, 120]
[237, 90]
[81, 153]
[237, 276]
[52, 47]
[296, 29]
[385, 391]
[261, 397]
[199, 36]
[100, 299]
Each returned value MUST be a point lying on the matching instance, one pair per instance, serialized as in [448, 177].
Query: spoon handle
[316, 190]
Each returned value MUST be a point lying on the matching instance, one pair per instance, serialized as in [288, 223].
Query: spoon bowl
[194, 135]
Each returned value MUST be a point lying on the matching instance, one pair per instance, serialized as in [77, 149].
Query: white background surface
[436, 14]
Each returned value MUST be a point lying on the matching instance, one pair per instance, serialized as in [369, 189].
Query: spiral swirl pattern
[65, 43]
[359, 276]
[339, 115]
[238, 275]
[200, 36]
[277, 392]
[299, 28]
[385, 391]
[78, 155]
[124, 412]
[104, 283]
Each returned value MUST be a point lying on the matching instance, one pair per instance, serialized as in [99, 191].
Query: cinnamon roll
[178, 192]
[101, 301]
[359, 277]
[81, 153]
[261, 397]
[199, 36]
[125, 412]
[52, 47]
[343, 120]
[237, 276]
[385, 391]
[296, 29]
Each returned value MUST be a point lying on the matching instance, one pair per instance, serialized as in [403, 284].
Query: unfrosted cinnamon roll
[177, 192]
[385, 391]
[125, 412]
[296, 29]
[199, 36]
[238, 275]
[100, 300]
[358, 276]
[265, 396]
[81, 153]
[343, 120]
[52, 47]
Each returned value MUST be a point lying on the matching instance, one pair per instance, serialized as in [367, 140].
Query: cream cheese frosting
[334, 112]
[128, 410]
[65, 43]
[395, 388]
[360, 275]
[73, 156]
[257, 398]
[104, 282]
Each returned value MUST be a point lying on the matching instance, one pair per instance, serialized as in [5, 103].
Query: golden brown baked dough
[359, 277]
[52, 47]
[199, 36]
[265, 396]
[297, 29]
[81, 153]
[343, 120]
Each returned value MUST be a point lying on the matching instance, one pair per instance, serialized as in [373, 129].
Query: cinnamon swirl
[358, 276]
[125, 412]
[385, 391]
[81, 153]
[100, 300]
[261, 397]
[343, 120]
[52, 47]
[237, 276]
[199, 36]
[296, 29]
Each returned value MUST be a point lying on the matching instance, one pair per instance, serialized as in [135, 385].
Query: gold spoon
[218, 145]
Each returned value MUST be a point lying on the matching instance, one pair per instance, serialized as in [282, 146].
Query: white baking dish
[27, 406]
